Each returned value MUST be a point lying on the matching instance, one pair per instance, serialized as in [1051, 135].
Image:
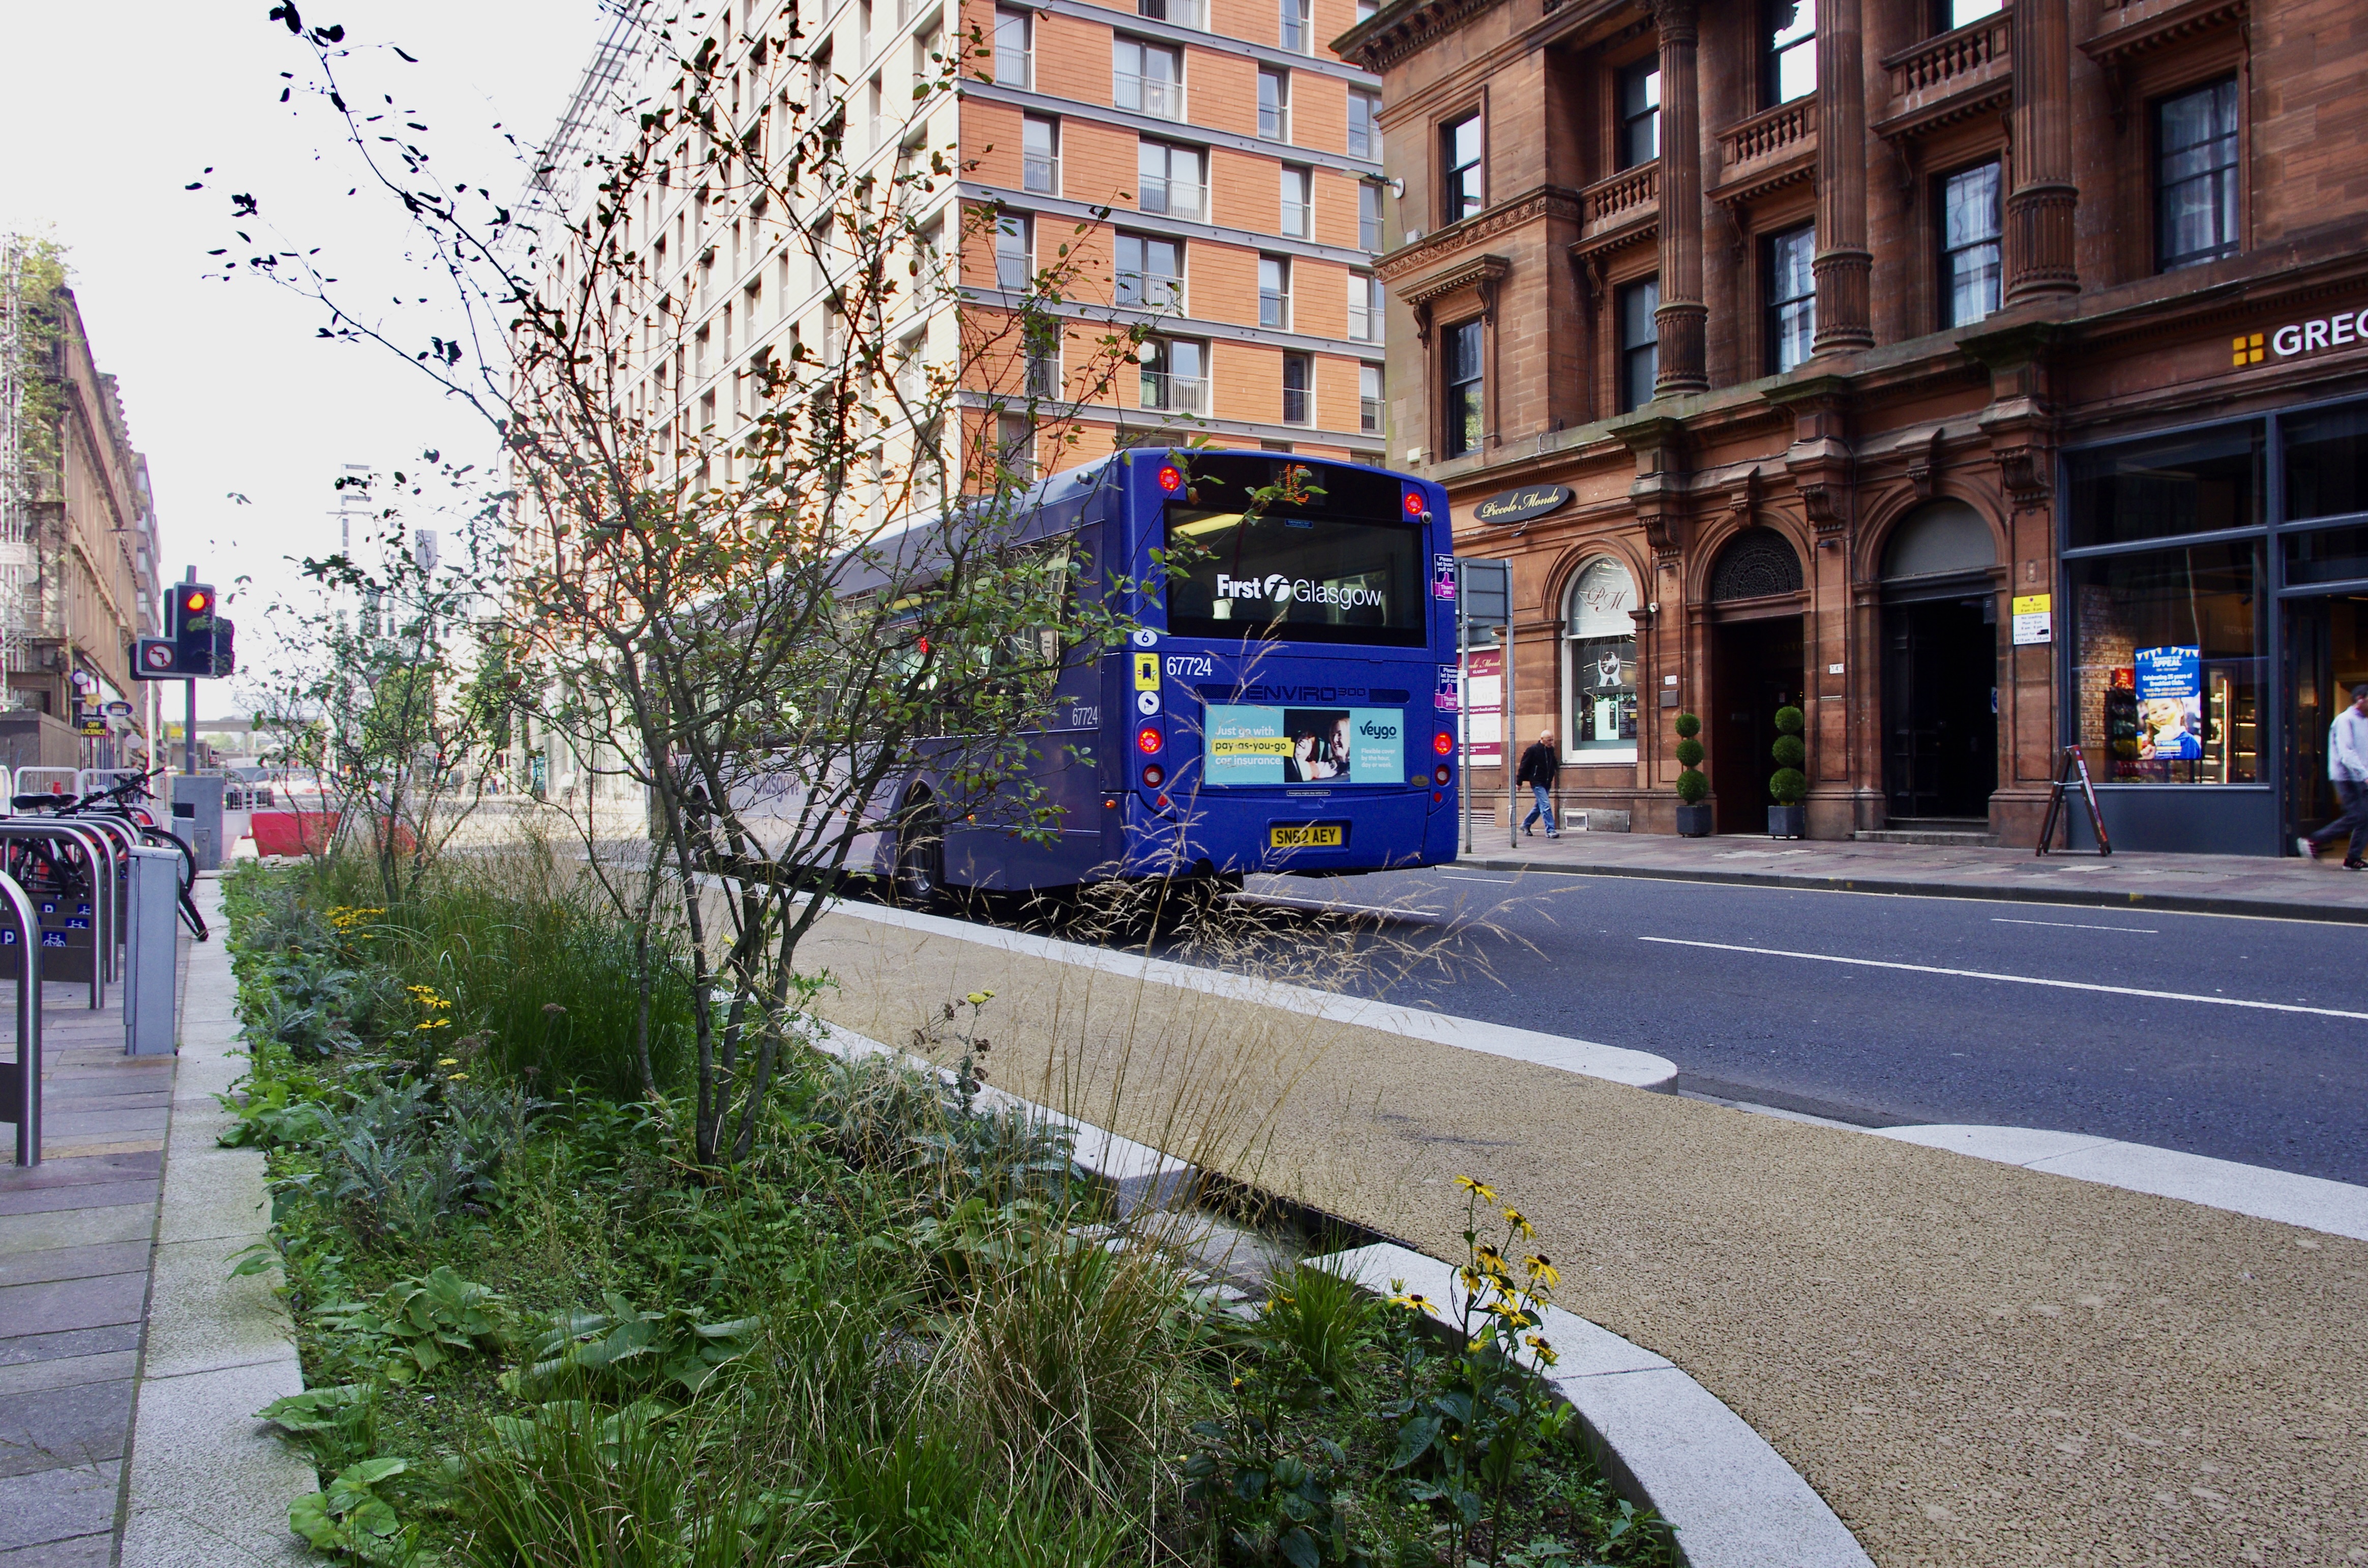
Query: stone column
[1842, 262]
[2039, 213]
[1682, 316]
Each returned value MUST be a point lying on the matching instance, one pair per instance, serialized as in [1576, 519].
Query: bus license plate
[1305, 835]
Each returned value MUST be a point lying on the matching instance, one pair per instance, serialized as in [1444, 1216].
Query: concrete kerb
[207, 1483]
[2081, 898]
[1666, 1442]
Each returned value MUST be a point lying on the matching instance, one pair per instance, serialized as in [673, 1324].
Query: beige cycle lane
[1975, 1364]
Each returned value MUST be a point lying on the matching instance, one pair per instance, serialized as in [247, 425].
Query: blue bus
[1287, 703]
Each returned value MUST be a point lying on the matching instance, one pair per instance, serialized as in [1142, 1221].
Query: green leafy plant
[1693, 788]
[338, 1423]
[349, 1518]
[625, 1347]
[1788, 784]
[423, 1320]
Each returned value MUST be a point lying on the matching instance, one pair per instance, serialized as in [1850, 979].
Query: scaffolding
[593, 113]
[18, 483]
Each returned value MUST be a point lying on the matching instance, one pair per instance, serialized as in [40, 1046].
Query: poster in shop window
[2170, 704]
[1483, 705]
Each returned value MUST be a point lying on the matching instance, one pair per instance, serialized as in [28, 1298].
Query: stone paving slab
[29, 1267]
[61, 1371]
[78, 1424]
[2215, 884]
[73, 1501]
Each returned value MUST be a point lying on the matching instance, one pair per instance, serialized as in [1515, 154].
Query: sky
[113, 110]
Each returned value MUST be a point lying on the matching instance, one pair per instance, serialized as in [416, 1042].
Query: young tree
[801, 606]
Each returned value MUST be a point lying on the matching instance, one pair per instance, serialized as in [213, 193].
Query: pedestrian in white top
[2347, 768]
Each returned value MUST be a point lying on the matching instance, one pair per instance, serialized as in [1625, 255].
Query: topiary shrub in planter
[1693, 817]
[1788, 818]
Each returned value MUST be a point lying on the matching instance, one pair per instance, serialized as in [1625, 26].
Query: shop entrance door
[2326, 652]
[1755, 668]
[1939, 708]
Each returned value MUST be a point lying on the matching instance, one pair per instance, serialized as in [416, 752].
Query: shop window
[1599, 664]
[2327, 462]
[2166, 671]
[2326, 555]
[2195, 175]
[1792, 291]
[1464, 387]
[1788, 59]
[2181, 484]
[1972, 221]
[1639, 341]
[1460, 157]
[1640, 112]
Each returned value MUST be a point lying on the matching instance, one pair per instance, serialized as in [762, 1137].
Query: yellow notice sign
[2034, 618]
[1146, 671]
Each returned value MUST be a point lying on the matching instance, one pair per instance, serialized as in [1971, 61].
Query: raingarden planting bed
[905, 1331]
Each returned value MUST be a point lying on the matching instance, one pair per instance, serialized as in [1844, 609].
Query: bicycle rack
[124, 835]
[100, 848]
[20, 1087]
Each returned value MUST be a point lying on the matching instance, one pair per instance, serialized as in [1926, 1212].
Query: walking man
[2347, 768]
[1540, 768]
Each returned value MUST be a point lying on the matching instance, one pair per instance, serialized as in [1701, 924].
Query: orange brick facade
[1850, 522]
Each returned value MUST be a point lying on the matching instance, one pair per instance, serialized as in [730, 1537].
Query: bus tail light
[1154, 775]
[1443, 743]
[1441, 774]
[1147, 741]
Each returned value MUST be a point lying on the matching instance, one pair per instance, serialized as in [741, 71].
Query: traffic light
[225, 661]
[191, 627]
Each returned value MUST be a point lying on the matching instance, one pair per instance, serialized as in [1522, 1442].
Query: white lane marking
[2075, 925]
[1451, 877]
[2018, 979]
[1322, 906]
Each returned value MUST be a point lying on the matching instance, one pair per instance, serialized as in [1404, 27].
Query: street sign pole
[1512, 789]
[189, 731]
[1463, 702]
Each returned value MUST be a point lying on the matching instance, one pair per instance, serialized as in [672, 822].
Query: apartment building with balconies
[1988, 381]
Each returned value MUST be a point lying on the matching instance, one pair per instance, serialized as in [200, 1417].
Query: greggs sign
[2300, 338]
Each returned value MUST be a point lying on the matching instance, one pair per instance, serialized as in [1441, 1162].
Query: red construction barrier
[293, 833]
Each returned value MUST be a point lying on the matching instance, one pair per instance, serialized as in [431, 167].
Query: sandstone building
[1984, 379]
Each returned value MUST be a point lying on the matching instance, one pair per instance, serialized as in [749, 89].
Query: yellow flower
[447, 1061]
[437, 1024]
[1537, 1342]
[979, 998]
[456, 1077]
[1513, 1218]
[1486, 1193]
[1541, 1270]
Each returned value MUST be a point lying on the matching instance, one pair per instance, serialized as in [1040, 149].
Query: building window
[1040, 156]
[1147, 77]
[1274, 104]
[1368, 9]
[1182, 13]
[1370, 397]
[1298, 202]
[1788, 62]
[1951, 14]
[1365, 305]
[1639, 341]
[1459, 147]
[1011, 55]
[1042, 335]
[1369, 216]
[1792, 292]
[2195, 175]
[1364, 125]
[1599, 664]
[1175, 375]
[1298, 27]
[1015, 252]
[1015, 445]
[1274, 292]
[1150, 272]
[1169, 180]
[1971, 223]
[1462, 403]
[1640, 112]
[2166, 666]
[1299, 388]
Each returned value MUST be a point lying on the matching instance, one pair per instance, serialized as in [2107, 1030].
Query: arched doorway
[1757, 667]
[1939, 667]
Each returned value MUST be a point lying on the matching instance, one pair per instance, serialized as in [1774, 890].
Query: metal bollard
[20, 1087]
[151, 953]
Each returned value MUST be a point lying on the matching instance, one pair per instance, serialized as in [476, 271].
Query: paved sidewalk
[2207, 884]
[1976, 1364]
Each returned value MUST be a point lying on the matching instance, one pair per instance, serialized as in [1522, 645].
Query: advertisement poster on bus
[2170, 704]
[1304, 746]
[1483, 707]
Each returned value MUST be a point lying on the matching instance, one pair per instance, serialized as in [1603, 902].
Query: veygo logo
[1378, 730]
[1297, 590]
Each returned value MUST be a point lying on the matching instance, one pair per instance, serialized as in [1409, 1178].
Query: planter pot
[1787, 822]
[1695, 822]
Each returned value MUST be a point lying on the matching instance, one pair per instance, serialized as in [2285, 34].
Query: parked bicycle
[122, 800]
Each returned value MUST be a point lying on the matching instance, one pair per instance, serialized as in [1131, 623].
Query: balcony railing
[1774, 134]
[1626, 198]
[1298, 220]
[1174, 198]
[1369, 415]
[1176, 395]
[1942, 80]
[1154, 95]
[1296, 401]
[1040, 173]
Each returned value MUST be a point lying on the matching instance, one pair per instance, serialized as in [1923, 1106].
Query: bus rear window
[1296, 578]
